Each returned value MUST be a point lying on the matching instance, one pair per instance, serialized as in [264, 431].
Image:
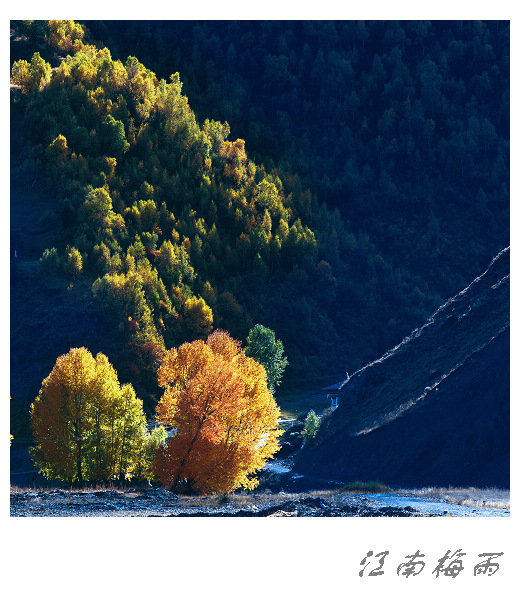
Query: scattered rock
[159, 502]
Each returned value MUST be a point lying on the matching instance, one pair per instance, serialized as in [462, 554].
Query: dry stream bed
[144, 502]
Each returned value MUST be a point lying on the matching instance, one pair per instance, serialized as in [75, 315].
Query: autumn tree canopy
[224, 418]
[86, 426]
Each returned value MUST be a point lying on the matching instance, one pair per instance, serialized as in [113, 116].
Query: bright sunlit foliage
[224, 418]
[86, 426]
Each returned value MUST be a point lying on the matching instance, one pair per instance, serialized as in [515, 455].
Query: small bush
[312, 423]
[222, 498]
[49, 261]
[74, 263]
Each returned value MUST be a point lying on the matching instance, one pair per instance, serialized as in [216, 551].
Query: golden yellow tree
[197, 317]
[224, 418]
[32, 76]
[86, 426]
[63, 34]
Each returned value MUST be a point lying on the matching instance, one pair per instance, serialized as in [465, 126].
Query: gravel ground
[138, 502]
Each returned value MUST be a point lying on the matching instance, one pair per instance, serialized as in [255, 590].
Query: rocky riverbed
[143, 502]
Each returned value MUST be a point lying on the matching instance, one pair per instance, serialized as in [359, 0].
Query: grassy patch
[366, 487]
[472, 497]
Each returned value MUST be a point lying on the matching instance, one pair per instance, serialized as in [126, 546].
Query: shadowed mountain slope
[434, 410]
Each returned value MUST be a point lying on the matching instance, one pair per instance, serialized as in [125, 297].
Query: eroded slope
[435, 409]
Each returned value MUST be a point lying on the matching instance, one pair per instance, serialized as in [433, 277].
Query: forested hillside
[333, 181]
[404, 126]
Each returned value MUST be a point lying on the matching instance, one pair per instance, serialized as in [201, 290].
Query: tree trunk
[78, 464]
[188, 452]
[78, 455]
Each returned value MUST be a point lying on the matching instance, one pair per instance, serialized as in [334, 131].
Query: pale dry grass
[86, 489]
[464, 496]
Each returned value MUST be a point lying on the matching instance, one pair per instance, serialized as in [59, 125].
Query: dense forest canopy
[402, 125]
[331, 180]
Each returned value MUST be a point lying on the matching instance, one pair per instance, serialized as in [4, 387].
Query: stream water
[435, 506]
[432, 506]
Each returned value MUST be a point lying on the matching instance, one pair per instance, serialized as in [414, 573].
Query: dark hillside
[48, 314]
[179, 232]
[403, 126]
[356, 175]
[435, 409]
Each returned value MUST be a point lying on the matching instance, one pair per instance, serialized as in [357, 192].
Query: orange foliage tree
[224, 418]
